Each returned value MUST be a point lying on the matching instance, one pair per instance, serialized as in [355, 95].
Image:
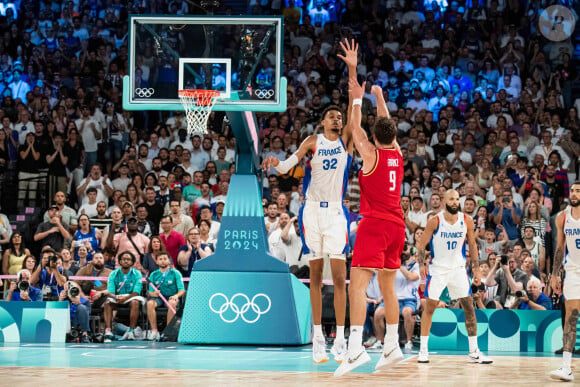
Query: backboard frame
[234, 103]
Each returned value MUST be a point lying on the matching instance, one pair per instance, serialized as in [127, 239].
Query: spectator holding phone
[508, 215]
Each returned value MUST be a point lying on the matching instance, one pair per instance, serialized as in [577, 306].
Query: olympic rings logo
[263, 93]
[144, 92]
[240, 310]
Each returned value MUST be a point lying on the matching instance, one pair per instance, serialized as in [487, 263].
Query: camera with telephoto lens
[73, 290]
[23, 286]
[504, 260]
[52, 259]
[475, 288]
[520, 293]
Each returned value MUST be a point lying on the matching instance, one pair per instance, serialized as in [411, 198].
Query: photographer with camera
[80, 310]
[533, 299]
[49, 275]
[21, 290]
[509, 279]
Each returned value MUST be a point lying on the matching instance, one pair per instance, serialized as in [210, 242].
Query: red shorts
[379, 244]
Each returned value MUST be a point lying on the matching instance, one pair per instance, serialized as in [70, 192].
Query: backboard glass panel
[241, 54]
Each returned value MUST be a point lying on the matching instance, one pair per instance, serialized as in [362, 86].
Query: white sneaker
[153, 336]
[478, 357]
[562, 373]
[319, 354]
[370, 341]
[352, 361]
[338, 350]
[389, 357]
[108, 337]
[423, 357]
[128, 336]
[409, 346]
[377, 345]
[139, 333]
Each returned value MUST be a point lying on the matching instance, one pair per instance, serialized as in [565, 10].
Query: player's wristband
[357, 101]
[287, 164]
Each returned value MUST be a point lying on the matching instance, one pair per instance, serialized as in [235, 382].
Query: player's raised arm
[350, 57]
[366, 149]
[382, 109]
[284, 166]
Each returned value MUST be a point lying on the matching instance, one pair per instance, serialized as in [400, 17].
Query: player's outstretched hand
[376, 90]
[270, 161]
[355, 89]
[350, 52]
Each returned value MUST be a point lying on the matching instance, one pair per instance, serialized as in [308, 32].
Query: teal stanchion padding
[244, 308]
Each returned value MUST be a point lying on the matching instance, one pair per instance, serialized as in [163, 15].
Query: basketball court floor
[148, 364]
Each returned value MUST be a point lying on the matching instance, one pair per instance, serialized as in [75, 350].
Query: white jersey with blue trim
[448, 243]
[327, 171]
[572, 233]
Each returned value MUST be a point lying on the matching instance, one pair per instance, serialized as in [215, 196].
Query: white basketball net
[198, 105]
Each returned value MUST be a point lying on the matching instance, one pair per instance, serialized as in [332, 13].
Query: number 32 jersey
[380, 188]
[326, 176]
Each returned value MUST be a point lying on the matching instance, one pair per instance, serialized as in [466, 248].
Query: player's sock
[472, 343]
[340, 332]
[424, 343]
[355, 339]
[392, 337]
[566, 359]
[318, 331]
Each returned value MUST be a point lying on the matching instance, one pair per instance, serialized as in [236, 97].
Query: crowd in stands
[482, 101]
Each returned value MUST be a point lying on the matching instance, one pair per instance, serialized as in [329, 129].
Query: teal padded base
[246, 308]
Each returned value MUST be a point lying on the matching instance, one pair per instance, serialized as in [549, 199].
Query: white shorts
[324, 229]
[455, 279]
[571, 289]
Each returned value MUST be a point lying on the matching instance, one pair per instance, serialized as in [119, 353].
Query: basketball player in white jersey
[568, 247]
[448, 233]
[323, 218]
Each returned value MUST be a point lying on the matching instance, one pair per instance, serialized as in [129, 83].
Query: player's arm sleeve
[287, 164]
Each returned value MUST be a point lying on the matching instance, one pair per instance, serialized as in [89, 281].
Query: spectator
[191, 252]
[154, 209]
[101, 220]
[169, 284]
[172, 239]
[14, 256]
[96, 180]
[67, 214]
[180, 222]
[87, 236]
[22, 289]
[52, 233]
[97, 289]
[123, 288]
[149, 261]
[407, 285]
[91, 133]
[488, 244]
[28, 175]
[508, 216]
[89, 208]
[533, 299]
[130, 241]
[144, 226]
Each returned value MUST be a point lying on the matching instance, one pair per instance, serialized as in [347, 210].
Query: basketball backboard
[239, 55]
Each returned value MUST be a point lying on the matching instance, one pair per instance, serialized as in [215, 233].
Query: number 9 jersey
[381, 188]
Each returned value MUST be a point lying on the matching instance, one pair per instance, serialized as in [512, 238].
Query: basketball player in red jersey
[381, 233]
